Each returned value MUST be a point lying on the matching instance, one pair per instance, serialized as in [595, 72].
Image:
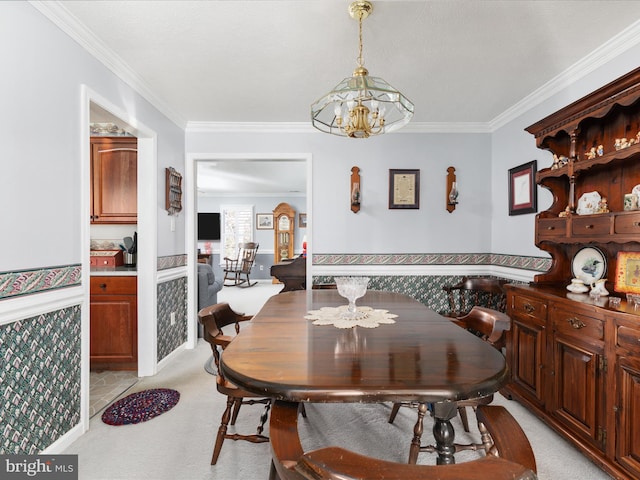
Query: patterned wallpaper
[172, 297]
[39, 380]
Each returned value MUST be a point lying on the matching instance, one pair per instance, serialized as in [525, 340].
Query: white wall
[376, 229]
[42, 74]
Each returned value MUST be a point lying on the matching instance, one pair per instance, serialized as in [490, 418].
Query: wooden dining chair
[214, 318]
[471, 291]
[235, 268]
[491, 326]
[508, 454]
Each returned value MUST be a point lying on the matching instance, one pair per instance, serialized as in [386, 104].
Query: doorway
[254, 176]
[97, 109]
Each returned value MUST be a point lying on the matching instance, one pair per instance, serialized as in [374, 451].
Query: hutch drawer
[574, 323]
[552, 228]
[627, 223]
[591, 225]
[531, 307]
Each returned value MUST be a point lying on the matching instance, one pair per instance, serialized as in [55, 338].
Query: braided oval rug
[140, 406]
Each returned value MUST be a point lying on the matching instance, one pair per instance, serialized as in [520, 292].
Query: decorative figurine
[617, 143]
[556, 162]
[591, 153]
[602, 206]
[565, 213]
[600, 150]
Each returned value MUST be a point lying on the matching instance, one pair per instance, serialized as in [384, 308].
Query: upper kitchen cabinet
[114, 180]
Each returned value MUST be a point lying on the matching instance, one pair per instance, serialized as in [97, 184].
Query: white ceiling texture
[463, 63]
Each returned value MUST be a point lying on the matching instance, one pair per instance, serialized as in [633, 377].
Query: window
[237, 227]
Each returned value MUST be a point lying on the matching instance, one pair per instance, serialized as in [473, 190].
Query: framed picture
[302, 220]
[264, 221]
[628, 272]
[522, 189]
[404, 189]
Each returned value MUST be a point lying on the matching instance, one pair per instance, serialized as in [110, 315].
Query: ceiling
[255, 61]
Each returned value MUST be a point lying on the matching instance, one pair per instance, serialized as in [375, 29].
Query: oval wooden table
[423, 357]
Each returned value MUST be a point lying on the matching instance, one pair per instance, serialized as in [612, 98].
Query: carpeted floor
[179, 443]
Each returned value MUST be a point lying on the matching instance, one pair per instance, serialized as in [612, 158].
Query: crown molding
[69, 24]
[609, 50]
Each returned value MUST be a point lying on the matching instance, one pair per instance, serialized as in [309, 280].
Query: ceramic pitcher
[598, 288]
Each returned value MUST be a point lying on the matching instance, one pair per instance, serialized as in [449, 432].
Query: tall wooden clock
[284, 218]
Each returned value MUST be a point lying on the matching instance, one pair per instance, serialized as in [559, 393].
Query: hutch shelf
[574, 360]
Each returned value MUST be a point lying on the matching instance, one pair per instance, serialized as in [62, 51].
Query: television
[208, 226]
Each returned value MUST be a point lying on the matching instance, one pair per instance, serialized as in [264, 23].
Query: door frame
[147, 232]
[191, 225]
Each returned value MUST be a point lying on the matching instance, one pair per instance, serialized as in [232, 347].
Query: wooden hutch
[574, 360]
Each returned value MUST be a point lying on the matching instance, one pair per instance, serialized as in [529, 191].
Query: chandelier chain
[360, 58]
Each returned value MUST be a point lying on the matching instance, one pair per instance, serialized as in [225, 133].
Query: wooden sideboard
[575, 361]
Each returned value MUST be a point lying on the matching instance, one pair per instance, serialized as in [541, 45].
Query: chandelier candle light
[360, 105]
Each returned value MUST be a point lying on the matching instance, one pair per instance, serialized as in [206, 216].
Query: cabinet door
[114, 330]
[114, 168]
[578, 393]
[527, 359]
[628, 403]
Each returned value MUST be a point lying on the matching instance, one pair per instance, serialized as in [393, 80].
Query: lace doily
[371, 318]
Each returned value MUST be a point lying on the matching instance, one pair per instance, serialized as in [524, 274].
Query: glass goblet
[352, 288]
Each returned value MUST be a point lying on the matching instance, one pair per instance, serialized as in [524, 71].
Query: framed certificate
[522, 189]
[404, 189]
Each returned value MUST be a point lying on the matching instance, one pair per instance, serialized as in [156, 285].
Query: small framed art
[302, 220]
[404, 189]
[628, 272]
[522, 189]
[264, 221]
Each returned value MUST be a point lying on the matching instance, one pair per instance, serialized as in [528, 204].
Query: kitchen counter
[113, 271]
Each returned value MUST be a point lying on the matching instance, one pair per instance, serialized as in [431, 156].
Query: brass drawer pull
[551, 228]
[576, 323]
[636, 224]
[588, 227]
[529, 308]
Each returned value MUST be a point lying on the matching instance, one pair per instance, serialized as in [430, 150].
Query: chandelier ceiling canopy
[360, 105]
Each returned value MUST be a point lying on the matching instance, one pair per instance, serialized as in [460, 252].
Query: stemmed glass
[352, 288]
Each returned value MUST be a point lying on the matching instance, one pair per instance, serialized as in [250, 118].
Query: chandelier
[360, 105]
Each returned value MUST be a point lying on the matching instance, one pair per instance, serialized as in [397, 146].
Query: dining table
[416, 355]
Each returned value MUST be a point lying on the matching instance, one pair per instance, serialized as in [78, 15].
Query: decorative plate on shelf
[588, 203]
[636, 190]
[589, 264]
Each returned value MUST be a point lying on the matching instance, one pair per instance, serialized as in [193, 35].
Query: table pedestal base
[442, 431]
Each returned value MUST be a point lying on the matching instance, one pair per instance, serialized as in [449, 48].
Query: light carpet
[179, 443]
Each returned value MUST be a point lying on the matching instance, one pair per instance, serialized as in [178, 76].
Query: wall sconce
[452, 189]
[355, 189]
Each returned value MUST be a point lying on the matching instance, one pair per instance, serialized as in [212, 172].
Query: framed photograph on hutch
[523, 189]
[628, 272]
[264, 221]
[404, 188]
